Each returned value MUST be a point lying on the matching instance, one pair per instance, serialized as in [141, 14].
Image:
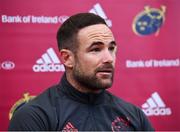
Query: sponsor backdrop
[148, 59]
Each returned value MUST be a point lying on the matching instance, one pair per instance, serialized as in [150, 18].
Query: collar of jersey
[88, 98]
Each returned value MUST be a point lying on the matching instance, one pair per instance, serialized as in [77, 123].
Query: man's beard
[91, 81]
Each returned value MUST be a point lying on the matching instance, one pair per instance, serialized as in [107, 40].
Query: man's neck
[80, 87]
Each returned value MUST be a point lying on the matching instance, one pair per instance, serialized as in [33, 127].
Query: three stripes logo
[155, 106]
[48, 62]
[98, 10]
[69, 128]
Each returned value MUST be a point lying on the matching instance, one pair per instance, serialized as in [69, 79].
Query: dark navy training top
[63, 108]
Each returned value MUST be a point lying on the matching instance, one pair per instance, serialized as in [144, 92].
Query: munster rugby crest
[20, 103]
[149, 21]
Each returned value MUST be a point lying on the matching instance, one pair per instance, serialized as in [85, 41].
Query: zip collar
[86, 98]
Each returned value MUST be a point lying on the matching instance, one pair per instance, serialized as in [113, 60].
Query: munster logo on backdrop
[149, 21]
[48, 62]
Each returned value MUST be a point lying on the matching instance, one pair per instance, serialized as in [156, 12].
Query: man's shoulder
[119, 102]
[46, 98]
[43, 102]
[40, 109]
[133, 112]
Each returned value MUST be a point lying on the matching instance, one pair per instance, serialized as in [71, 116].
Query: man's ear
[67, 58]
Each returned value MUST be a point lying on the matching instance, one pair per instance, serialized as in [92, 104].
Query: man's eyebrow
[113, 43]
[96, 43]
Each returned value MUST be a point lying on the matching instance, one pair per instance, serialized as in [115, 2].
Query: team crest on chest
[120, 123]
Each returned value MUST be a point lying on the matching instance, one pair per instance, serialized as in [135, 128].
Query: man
[80, 101]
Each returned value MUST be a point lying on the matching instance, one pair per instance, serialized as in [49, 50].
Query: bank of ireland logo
[26, 98]
[49, 62]
[7, 65]
[155, 106]
[149, 21]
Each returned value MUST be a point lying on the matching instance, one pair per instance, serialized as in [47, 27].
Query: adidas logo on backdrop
[48, 62]
[98, 10]
[155, 106]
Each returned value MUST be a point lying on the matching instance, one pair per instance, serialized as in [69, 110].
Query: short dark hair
[67, 33]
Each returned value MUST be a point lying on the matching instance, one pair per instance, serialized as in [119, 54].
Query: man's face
[95, 57]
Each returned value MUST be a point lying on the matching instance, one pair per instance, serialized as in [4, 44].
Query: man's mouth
[105, 72]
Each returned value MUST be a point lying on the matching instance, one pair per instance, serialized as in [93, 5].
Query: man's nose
[108, 57]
